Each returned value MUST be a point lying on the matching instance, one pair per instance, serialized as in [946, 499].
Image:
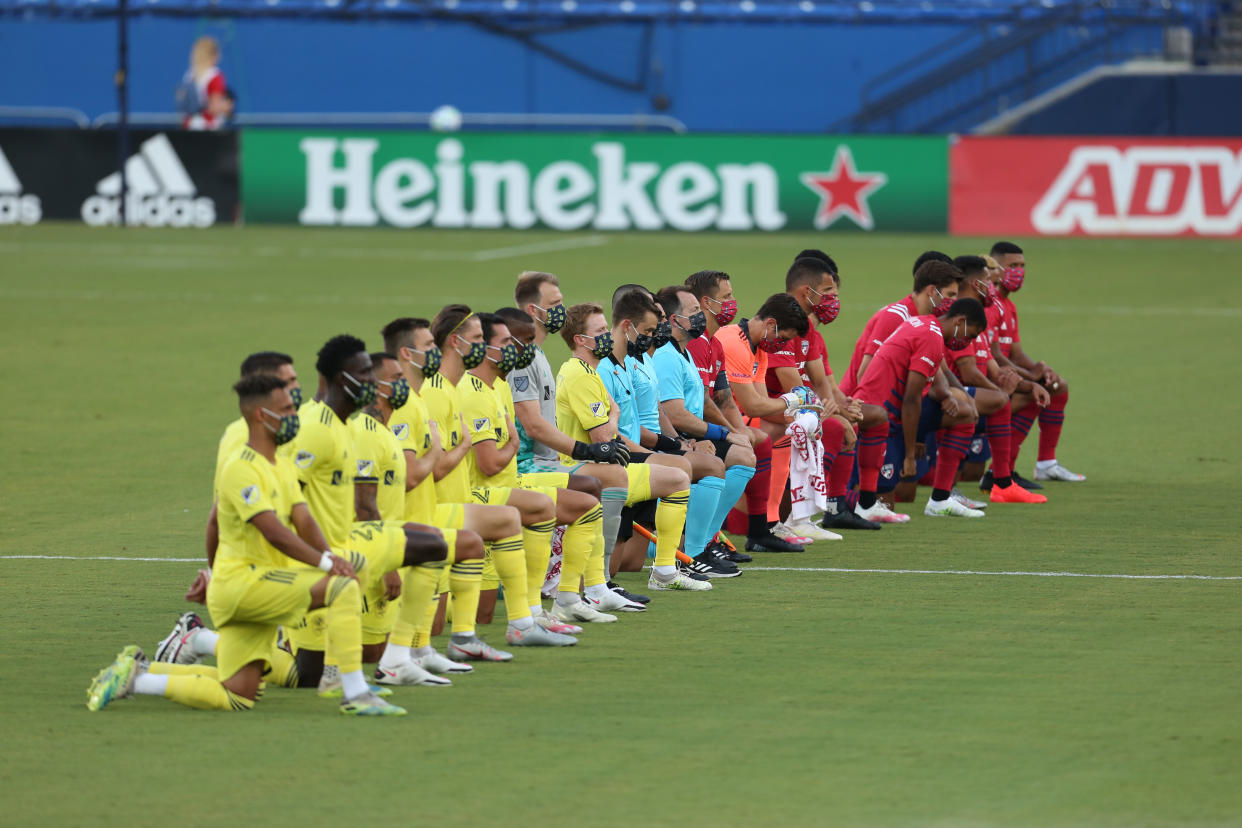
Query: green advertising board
[572, 181]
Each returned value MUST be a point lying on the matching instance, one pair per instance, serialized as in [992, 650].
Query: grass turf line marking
[1012, 574]
[539, 247]
[839, 570]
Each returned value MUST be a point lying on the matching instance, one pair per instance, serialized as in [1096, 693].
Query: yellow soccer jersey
[234, 437]
[409, 428]
[582, 402]
[249, 486]
[380, 461]
[485, 412]
[324, 458]
[440, 397]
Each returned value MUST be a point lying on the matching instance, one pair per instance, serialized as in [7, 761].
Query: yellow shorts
[248, 603]
[450, 516]
[499, 495]
[556, 480]
[640, 483]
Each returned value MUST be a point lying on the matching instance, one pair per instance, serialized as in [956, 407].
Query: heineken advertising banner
[570, 181]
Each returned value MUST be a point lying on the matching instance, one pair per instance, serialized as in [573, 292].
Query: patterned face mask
[474, 357]
[1013, 278]
[637, 346]
[556, 318]
[663, 334]
[286, 430]
[296, 393]
[431, 360]
[728, 310]
[366, 393]
[942, 305]
[955, 342]
[398, 392]
[827, 308]
[508, 357]
[526, 356]
[602, 344]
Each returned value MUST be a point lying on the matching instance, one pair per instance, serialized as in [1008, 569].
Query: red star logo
[843, 191]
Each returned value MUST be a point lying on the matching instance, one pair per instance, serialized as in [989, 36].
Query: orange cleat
[1014, 493]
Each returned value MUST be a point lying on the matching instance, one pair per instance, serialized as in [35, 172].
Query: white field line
[539, 247]
[834, 569]
[1127, 310]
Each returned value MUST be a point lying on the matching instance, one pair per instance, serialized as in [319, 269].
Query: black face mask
[638, 346]
[663, 334]
[698, 324]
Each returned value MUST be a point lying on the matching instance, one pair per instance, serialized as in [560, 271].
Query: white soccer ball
[446, 119]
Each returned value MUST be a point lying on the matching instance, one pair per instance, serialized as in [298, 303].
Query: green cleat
[116, 681]
[370, 705]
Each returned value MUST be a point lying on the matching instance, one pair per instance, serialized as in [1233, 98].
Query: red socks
[1050, 421]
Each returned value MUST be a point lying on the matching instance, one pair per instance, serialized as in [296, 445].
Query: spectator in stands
[203, 97]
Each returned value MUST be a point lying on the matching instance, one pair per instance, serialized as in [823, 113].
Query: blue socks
[704, 501]
[735, 480]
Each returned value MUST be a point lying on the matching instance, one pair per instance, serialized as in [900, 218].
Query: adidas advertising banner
[568, 181]
[175, 179]
[1096, 187]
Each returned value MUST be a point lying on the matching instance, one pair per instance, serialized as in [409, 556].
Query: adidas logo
[160, 192]
[16, 208]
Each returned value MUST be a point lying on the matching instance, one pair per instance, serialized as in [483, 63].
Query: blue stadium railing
[956, 85]
[813, 11]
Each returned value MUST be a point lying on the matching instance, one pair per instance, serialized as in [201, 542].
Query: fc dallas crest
[843, 191]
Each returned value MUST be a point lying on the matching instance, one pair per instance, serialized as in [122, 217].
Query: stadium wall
[717, 77]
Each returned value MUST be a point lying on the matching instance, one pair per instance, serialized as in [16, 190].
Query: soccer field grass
[890, 682]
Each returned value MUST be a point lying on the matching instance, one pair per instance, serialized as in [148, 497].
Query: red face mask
[955, 342]
[827, 308]
[988, 290]
[772, 346]
[728, 310]
[943, 306]
[1013, 278]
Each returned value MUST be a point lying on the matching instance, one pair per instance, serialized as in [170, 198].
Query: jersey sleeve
[928, 352]
[243, 490]
[314, 450]
[588, 400]
[479, 408]
[668, 377]
[885, 323]
[523, 386]
[787, 357]
[367, 451]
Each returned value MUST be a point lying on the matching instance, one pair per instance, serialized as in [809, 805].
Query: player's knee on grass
[586, 484]
[424, 546]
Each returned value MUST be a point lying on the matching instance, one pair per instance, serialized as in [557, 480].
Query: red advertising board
[1096, 187]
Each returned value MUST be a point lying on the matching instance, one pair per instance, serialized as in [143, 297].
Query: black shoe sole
[1029, 485]
[986, 482]
[762, 546]
[738, 557]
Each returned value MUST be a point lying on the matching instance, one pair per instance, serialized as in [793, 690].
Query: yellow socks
[509, 558]
[344, 634]
[537, 541]
[670, 519]
[579, 544]
[203, 692]
[465, 580]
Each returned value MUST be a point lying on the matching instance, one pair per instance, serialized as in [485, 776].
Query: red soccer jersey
[979, 349]
[708, 356]
[1003, 325]
[917, 345]
[878, 329]
[796, 354]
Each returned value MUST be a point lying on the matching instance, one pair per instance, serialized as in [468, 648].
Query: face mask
[366, 393]
[556, 318]
[398, 392]
[508, 357]
[286, 431]
[989, 292]
[1013, 278]
[698, 324]
[474, 357]
[772, 346]
[942, 305]
[431, 360]
[827, 308]
[296, 393]
[638, 346]
[955, 342]
[603, 344]
[663, 334]
[525, 357]
[728, 310]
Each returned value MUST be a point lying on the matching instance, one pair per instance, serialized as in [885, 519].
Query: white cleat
[178, 646]
[537, 636]
[436, 663]
[680, 581]
[880, 513]
[1058, 472]
[949, 508]
[581, 612]
[967, 502]
[551, 623]
[409, 674]
[612, 602]
[789, 533]
[475, 649]
[815, 533]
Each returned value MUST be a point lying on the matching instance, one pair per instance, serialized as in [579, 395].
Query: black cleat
[849, 519]
[629, 596]
[730, 555]
[1029, 485]
[691, 570]
[771, 543]
[712, 565]
[985, 482]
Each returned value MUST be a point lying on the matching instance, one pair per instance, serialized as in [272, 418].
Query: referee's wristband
[715, 432]
[666, 444]
[325, 562]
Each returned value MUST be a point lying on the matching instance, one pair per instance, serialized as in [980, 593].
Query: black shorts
[642, 513]
[722, 445]
[640, 456]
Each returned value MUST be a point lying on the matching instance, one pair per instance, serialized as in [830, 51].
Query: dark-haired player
[1052, 416]
[272, 567]
[892, 390]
